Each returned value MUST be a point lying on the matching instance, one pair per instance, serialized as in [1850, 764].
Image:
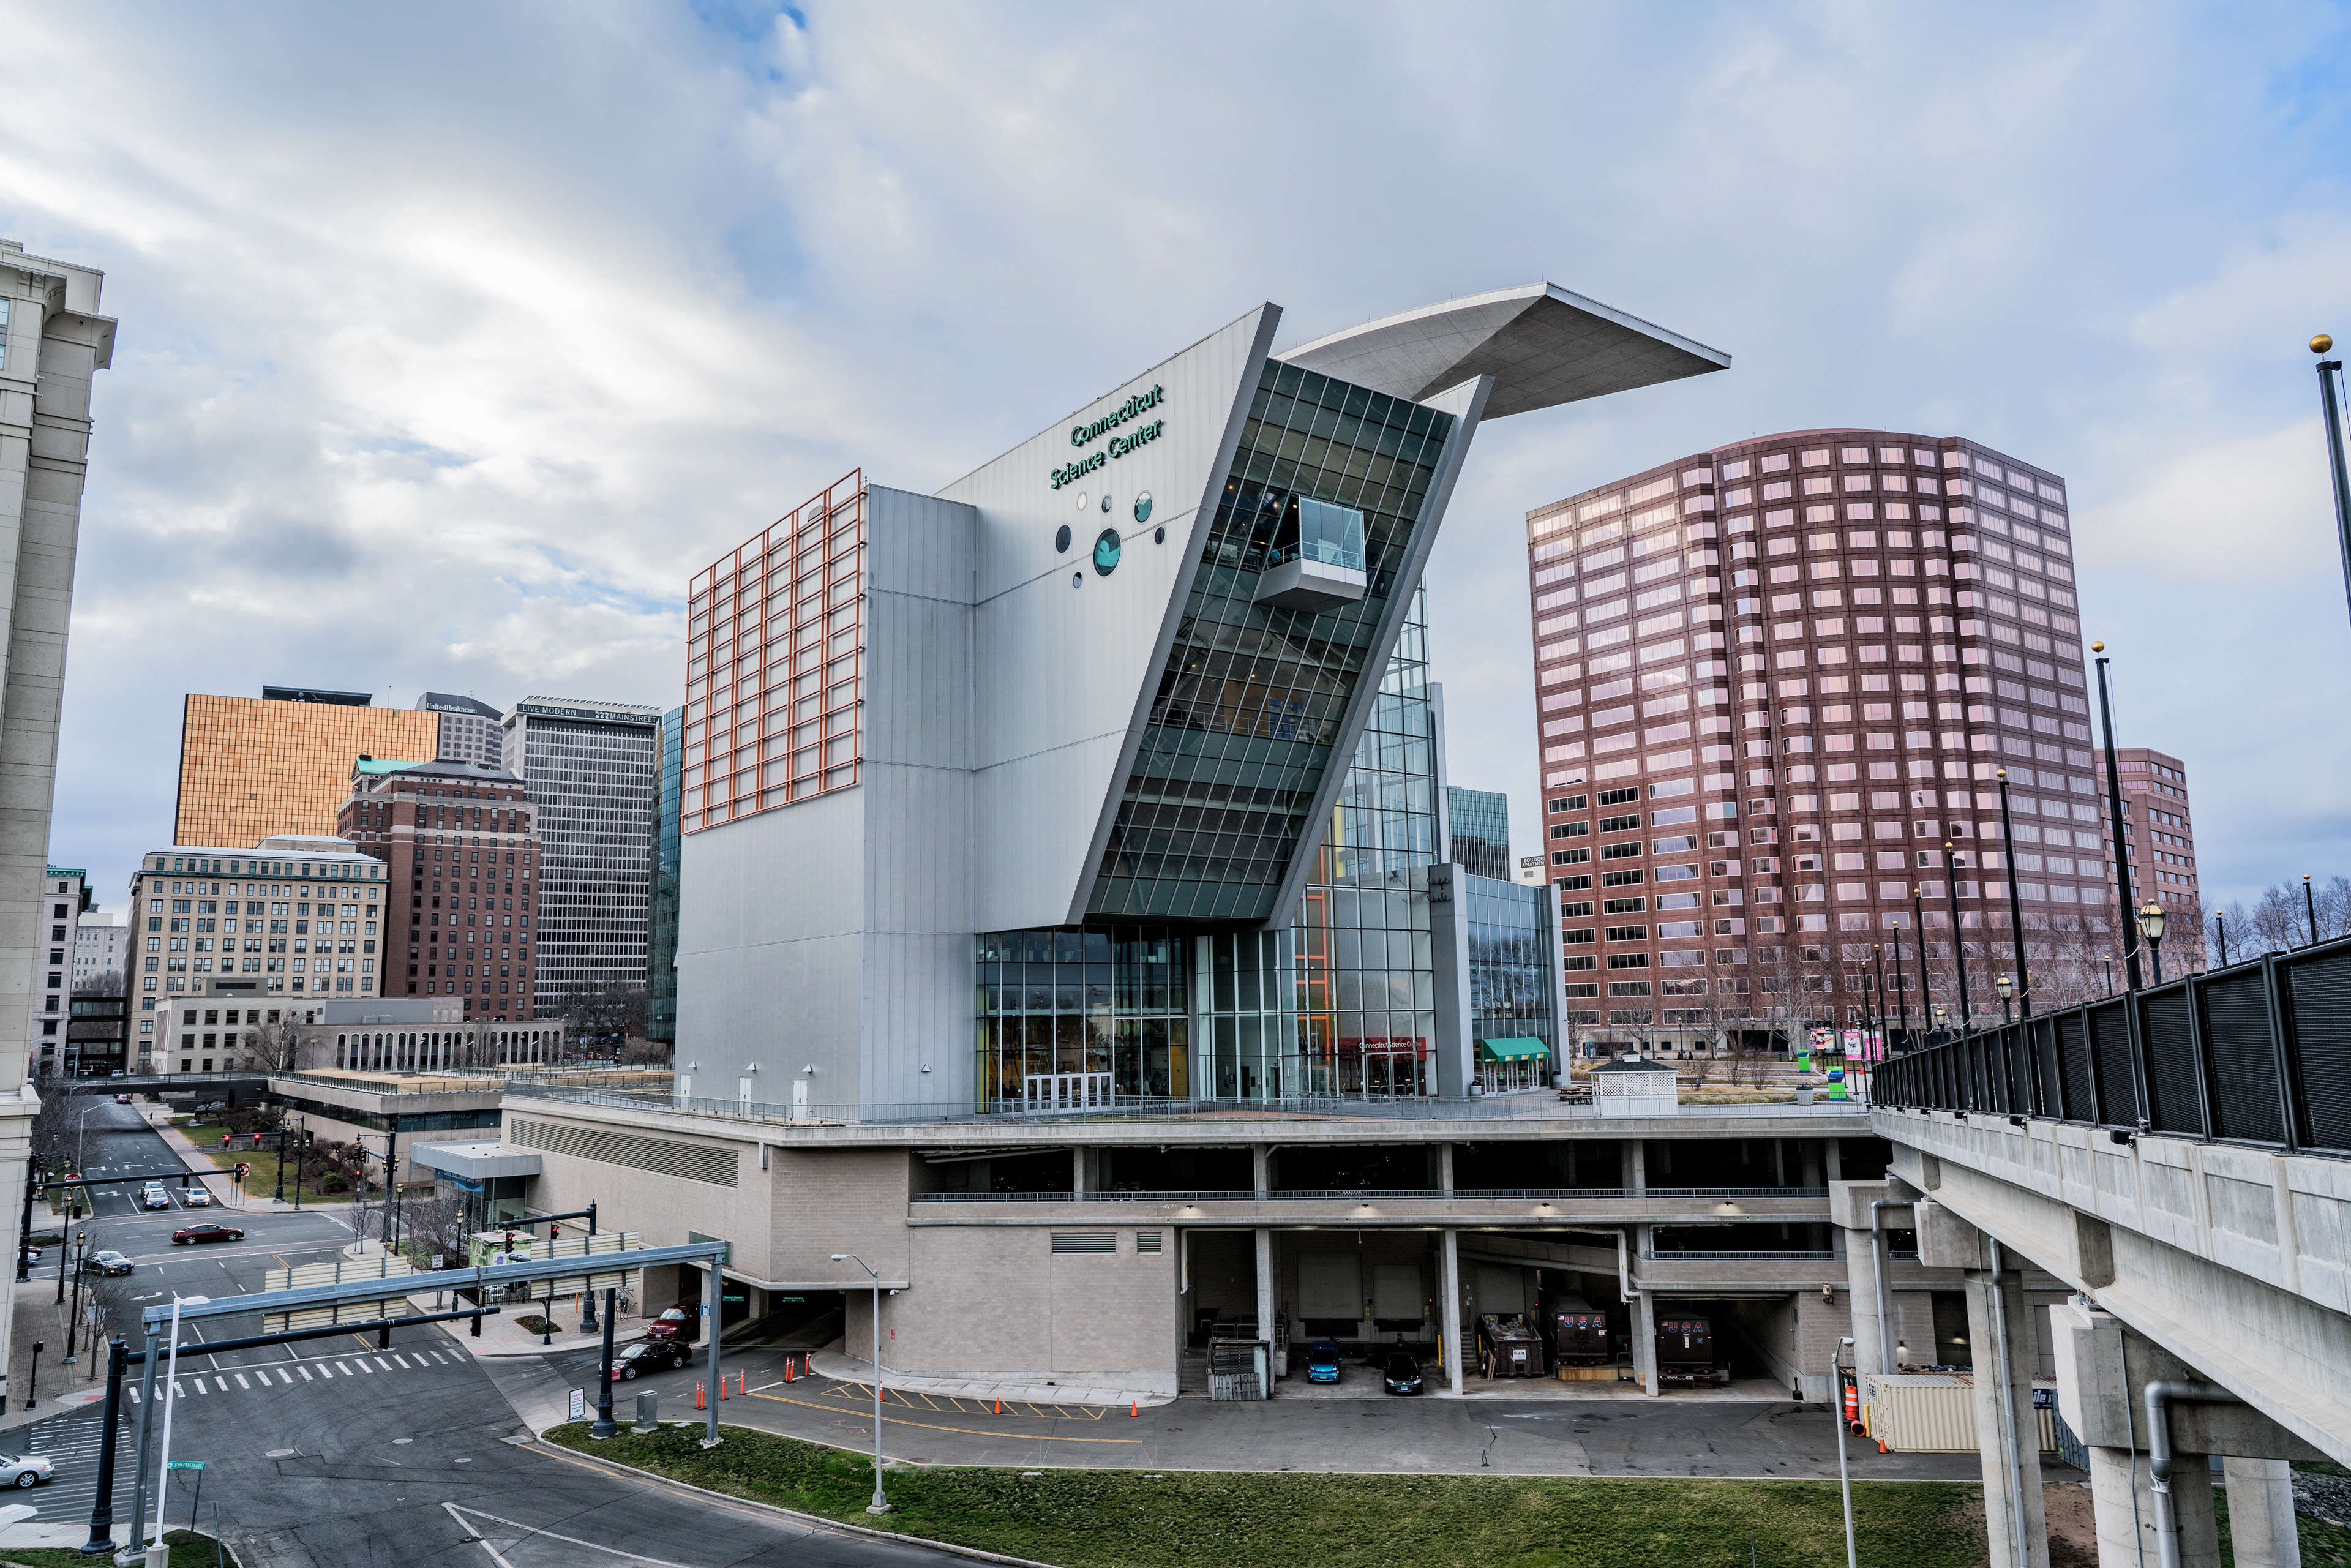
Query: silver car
[23, 1469]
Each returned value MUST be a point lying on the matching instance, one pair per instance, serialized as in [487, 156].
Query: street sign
[183, 1464]
[578, 1403]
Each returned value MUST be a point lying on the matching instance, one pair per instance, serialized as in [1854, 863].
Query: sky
[454, 338]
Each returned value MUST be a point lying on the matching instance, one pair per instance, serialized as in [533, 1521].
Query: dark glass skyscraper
[661, 968]
[1480, 830]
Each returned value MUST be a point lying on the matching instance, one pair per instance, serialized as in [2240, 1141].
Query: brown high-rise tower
[1773, 682]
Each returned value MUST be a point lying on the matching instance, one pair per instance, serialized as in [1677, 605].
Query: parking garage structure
[1114, 1252]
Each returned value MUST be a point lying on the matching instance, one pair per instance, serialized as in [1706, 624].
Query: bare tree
[109, 983]
[437, 1222]
[277, 1047]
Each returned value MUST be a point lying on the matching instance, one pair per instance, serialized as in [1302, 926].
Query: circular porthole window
[1105, 503]
[1084, 500]
[1077, 580]
[1062, 539]
[1159, 536]
[1106, 549]
[1142, 507]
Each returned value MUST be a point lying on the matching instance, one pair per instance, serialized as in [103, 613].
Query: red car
[206, 1232]
[677, 1323]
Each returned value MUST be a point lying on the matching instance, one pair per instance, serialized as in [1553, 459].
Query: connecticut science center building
[1110, 773]
[1068, 927]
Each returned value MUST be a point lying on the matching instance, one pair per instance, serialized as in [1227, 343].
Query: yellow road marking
[932, 1427]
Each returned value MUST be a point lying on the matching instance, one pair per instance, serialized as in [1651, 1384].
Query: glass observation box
[1315, 560]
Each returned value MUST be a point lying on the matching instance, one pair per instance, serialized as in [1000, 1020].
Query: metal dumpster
[1239, 1369]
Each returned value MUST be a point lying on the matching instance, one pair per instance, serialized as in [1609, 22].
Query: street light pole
[1958, 947]
[2115, 811]
[1919, 924]
[73, 1317]
[2023, 980]
[881, 1503]
[2310, 906]
[2150, 925]
[2329, 393]
[1901, 991]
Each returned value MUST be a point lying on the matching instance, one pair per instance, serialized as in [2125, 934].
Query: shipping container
[1934, 1412]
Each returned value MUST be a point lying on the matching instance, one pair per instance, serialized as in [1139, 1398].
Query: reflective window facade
[1366, 977]
[1511, 933]
[1239, 735]
[1059, 1004]
[776, 628]
[660, 975]
[1479, 823]
[252, 767]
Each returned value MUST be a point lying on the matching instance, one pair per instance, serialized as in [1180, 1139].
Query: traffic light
[554, 1229]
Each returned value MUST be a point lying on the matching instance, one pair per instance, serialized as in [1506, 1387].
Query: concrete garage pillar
[2000, 1333]
[1637, 1167]
[1849, 1215]
[1644, 1341]
[1262, 1170]
[1265, 1295]
[2262, 1530]
[2103, 1371]
[1448, 1323]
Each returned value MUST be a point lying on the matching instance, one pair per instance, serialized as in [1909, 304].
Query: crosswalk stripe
[283, 1376]
[380, 1362]
[341, 1368]
[241, 1383]
[224, 1385]
[304, 1372]
[398, 1358]
[134, 1394]
[360, 1362]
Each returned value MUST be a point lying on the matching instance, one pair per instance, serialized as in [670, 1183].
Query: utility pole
[2122, 841]
[2016, 909]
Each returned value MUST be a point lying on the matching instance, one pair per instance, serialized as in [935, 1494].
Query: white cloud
[454, 339]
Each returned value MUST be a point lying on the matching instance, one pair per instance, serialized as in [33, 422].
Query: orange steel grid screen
[776, 638]
[251, 768]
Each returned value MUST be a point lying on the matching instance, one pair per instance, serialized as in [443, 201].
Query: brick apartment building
[462, 844]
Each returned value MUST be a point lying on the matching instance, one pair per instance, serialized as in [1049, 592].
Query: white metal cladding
[662, 1156]
[1062, 676]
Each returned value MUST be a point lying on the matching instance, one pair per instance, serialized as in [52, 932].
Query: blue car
[1323, 1360]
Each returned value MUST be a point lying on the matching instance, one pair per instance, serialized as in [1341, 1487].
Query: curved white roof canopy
[1541, 345]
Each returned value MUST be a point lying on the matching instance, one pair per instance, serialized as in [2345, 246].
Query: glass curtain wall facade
[1510, 936]
[1479, 824]
[1065, 1014]
[1365, 974]
[588, 772]
[1239, 735]
[660, 970]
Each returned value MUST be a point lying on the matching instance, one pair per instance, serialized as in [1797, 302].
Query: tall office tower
[589, 772]
[661, 968]
[471, 731]
[1089, 719]
[1774, 684]
[252, 768]
[2161, 833]
[1479, 822]
[53, 342]
[65, 894]
[464, 851]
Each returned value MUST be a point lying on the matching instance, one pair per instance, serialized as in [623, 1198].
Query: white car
[154, 1198]
[23, 1469]
[197, 1197]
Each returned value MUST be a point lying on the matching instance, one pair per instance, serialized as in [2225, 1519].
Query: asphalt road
[336, 1452]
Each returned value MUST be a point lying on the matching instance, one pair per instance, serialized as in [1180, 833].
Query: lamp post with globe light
[2150, 925]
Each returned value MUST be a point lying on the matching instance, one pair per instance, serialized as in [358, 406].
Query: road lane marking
[224, 1385]
[241, 1383]
[304, 1372]
[360, 1362]
[381, 1362]
[533, 1533]
[281, 1376]
[403, 1364]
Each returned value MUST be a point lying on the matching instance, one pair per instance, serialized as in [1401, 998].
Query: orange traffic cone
[698, 1395]
[1000, 1406]
[722, 1386]
[1137, 1408]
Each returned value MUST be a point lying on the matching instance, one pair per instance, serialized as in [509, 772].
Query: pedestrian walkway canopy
[1522, 1049]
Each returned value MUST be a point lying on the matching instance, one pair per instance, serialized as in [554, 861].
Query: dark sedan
[206, 1232]
[1401, 1375]
[654, 1355]
[109, 1262]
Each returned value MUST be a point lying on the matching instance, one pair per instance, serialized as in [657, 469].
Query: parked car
[1323, 1362]
[154, 1198]
[23, 1469]
[653, 1355]
[109, 1262]
[197, 1197]
[680, 1324]
[207, 1231]
[1402, 1374]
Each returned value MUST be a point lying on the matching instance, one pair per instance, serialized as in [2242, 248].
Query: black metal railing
[2259, 1053]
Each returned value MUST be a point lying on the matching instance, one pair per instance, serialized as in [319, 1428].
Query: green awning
[1529, 1050]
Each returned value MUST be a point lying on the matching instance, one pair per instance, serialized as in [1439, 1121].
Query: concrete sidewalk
[41, 1316]
[503, 1337]
[848, 1368]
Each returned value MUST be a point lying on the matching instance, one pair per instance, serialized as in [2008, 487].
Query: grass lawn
[263, 1182]
[1132, 1518]
[187, 1552]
